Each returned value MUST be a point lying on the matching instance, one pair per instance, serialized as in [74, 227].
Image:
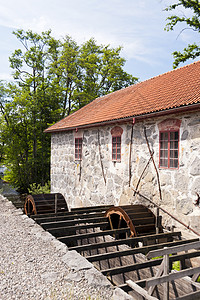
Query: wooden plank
[140, 290]
[91, 208]
[171, 276]
[195, 277]
[73, 212]
[191, 296]
[158, 274]
[66, 239]
[38, 216]
[155, 262]
[167, 251]
[72, 222]
[67, 217]
[132, 267]
[55, 231]
[129, 241]
[166, 272]
[125, 287]
[146, 238]
[189, 280]
[184, 256]
[142, 250]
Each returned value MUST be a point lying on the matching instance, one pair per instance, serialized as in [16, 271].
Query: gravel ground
[34, 265]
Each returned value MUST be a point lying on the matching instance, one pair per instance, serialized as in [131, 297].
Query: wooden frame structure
[124, 260]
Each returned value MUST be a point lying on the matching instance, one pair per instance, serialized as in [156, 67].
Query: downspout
[130, 152]
[100, 157]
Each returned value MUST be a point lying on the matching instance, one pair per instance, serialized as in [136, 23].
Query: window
[116, 143]
[169, 148]
[78, 148]
[116, 148]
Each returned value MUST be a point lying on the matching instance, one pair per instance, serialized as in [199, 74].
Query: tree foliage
[192, 22]
[52, 78]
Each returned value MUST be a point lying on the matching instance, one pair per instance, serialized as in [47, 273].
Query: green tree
[102, 72]
[79, 74]
[193, 22]
[64, 73]
[52, 78]
[3, 118]
[28, 112]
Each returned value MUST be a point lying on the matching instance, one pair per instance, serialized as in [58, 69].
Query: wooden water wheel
[45, 203]
[139, 218]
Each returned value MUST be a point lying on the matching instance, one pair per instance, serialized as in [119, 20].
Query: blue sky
[136, 25]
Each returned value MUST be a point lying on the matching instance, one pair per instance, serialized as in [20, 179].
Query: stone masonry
[82, 182]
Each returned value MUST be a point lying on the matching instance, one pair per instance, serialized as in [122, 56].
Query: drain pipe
[130, 151]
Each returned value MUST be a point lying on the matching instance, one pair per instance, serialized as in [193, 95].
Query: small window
[169, 149]
[78, 148]
[116, 148]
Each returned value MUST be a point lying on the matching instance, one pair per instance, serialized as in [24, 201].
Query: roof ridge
[151, 78]
[141, 82]
[171, 71]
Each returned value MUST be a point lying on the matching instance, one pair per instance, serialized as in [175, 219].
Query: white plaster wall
[82, 183]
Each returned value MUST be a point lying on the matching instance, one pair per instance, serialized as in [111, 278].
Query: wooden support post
[140, 290]
[158, 274]
[56, 203]
[195, 277]
[111, 225]
[157, 220]
[166, 272]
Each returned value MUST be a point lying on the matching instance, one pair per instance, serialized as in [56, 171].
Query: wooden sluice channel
[117, 243]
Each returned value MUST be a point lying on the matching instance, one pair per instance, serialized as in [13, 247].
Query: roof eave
[180, 109]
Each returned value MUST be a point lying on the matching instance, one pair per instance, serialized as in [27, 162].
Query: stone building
[101, 152]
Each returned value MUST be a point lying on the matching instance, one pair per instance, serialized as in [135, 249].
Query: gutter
[188, 108]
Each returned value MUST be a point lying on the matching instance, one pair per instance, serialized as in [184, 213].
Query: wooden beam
[147, 264]
[142, 250]
[132, 267]
[140, 290]
[158, 274]
[165, 273]
[195, 277]
[65, 239]
[129, 241]
[191, 296]
[171, 250]
[171, 276]
[55, 231]
[72, 222]
[38, 216]
[71, 213]
[67, 217]
[189, 280]
[91, 208]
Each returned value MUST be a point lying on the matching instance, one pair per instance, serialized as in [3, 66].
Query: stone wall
[82, 182]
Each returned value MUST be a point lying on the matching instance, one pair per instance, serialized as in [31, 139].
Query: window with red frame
[116, 148]
[78, 148]
[169, 149]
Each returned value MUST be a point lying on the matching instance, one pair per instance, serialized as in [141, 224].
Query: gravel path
[34, 265]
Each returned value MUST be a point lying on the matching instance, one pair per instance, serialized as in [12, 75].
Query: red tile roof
[177, 88]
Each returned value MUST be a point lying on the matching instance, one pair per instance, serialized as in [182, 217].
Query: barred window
[78, 148]
[169, 149]
[116, 148]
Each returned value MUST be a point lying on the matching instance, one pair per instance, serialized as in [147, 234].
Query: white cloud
[138, 26]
